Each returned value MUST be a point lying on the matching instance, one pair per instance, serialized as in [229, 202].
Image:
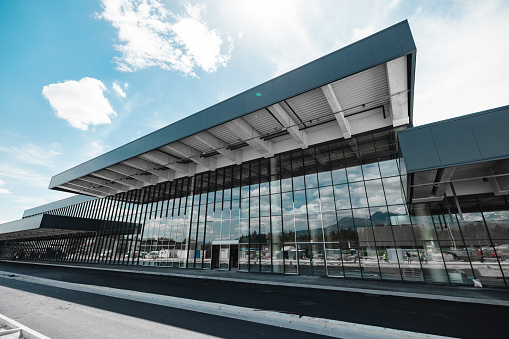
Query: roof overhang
[470, 151]
[49, 225]
[365, 86]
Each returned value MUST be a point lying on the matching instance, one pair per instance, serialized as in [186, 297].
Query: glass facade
[336, 209]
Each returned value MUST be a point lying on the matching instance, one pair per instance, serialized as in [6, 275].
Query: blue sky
[79, 78]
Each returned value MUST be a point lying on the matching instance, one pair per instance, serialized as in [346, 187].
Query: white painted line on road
[28, 333]
[328, 327]
[484, 301]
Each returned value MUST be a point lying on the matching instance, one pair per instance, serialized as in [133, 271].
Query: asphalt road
[418, 315]
[63, 313]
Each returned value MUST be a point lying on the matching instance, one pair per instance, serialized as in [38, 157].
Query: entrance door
[215, 256]
[234, 257]
[224, 258]
[311, 259]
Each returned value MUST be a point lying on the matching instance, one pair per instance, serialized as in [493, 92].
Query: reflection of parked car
[446, 256]
[454, 255]
[153, 255]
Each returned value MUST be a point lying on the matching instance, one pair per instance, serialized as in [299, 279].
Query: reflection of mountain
[381, 218]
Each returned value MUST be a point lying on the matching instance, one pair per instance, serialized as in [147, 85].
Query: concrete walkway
[489, 296]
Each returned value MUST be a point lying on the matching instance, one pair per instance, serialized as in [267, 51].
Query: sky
[79, 78]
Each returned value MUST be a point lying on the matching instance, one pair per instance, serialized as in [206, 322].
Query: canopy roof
[364, 86]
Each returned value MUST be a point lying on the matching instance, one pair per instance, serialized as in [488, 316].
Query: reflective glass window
[358, 194]
[339, 176]
[313, 200]
[370, 171]
[375, 192]
[324, 178]
[354, 171]
[342, 196]
[393, 192]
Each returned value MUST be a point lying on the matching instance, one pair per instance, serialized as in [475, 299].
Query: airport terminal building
[317, 172]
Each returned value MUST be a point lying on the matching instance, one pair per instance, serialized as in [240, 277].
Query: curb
[485, 301]
[328, 327]
[14, 326]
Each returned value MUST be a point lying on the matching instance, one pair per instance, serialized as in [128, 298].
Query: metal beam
[248, 134]
[162, 172]
[81, 190]
[134, 173]
[337, 110]
[113, 176]
[398, 86]
[187, 152]
[167, 160]
[291, 126]
[108, 183]
[88, 185]
[220, 146]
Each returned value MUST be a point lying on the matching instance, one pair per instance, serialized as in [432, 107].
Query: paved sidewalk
[490, 296]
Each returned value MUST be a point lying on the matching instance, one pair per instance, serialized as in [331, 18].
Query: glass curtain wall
[337, 209]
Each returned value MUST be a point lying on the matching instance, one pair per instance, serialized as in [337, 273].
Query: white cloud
[42, 155]
[118, 90]
[152, 36]
[4, 191]
[23, 176]
[361, 33]
[94, 148]
[81, 103]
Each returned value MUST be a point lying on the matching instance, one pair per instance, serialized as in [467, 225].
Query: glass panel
[327, 199]
[333, 260]
[303, 257]
[277, 257]
[389, 168]
[433, 264]
[393, 191]
[362, 223]
[224, 257]
[375, 193]
[315, 227]
[298, 183]
[424, 229]
[324, 178]
[299, 201]
[389, 258]
[358, 195]
[290, 258]
[330, 226]
[473, 226]
[342, 197]
[288, 228]
[265, 205]
[368, 259]
[265, 257]
[411, 259]
[274, 184]
[313, 201]
[354, 172]
[275, 204]
[346, 226]
[350, 254]
[370, 171]
[339, 176]
[301, 227]
[311, 180]
[243, 257]
[287, 203]
[498, 224]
